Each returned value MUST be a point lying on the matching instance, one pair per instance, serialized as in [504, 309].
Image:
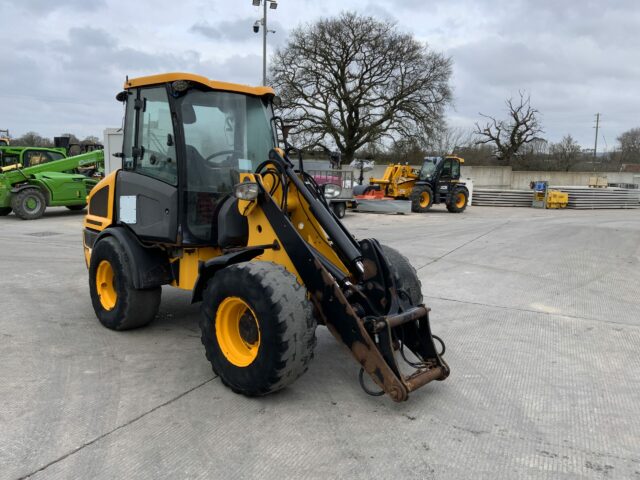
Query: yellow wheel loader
[206, 201]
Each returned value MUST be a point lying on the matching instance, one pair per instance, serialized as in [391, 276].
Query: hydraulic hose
[347, 248]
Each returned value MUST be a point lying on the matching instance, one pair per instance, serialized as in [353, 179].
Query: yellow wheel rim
[104, 284]
[424, 199]
[237, 331]
[461, 199]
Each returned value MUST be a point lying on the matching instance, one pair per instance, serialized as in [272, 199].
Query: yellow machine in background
[4, 137]
[398, 180]
[437, 181]
[545, 198]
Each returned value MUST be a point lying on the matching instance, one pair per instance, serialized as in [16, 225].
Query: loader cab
[186, 142]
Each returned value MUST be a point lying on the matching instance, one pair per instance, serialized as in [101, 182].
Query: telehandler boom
[206, 201]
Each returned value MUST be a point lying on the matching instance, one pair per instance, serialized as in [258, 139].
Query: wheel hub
[104, 285]
[237, 331]
[424, 199]
[31, 204]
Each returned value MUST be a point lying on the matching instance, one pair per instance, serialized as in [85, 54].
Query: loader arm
[363, 310]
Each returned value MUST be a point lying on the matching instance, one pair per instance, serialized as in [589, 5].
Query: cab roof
[204, 81]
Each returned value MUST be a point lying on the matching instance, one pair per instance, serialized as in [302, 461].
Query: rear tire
[406, 276]
[339, 208]
[267, 341]
[29, 204]
[421, 198]
[458, 201]
[77, 208]
[118, 305]
[4, 211]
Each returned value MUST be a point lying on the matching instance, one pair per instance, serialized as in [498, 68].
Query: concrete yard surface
[539, 309]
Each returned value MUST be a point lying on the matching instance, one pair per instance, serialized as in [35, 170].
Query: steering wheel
[208, 160]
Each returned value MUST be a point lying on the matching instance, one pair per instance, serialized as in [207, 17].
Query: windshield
[225, 134]
[225, 130]
[428, 167]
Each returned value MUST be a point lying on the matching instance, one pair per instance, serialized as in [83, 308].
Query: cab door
[450, 172]
[147, 186]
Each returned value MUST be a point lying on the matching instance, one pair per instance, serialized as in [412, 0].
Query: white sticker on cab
[127, 213]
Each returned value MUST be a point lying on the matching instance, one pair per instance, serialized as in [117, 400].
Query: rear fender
[149, 266]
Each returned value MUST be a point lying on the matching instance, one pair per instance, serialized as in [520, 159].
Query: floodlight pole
[265, 30]
[264, 43]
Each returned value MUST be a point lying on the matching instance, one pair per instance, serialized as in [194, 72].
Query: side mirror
[285, 132]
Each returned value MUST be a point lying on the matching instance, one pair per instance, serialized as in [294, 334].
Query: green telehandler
[27, 191]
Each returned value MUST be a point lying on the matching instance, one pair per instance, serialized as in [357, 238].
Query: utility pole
[595, 147]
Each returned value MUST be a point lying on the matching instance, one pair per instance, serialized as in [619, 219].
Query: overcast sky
[63, 61]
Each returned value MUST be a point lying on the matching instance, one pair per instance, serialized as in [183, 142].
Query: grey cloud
[48, 6]
[240, 30]
[575, 57]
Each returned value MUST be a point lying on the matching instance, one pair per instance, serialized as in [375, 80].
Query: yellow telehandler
[437, 181]
[206, 201]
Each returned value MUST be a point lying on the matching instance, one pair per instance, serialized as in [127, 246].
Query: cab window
[225, 135]
[31, 158]
[455, 169]
[446, 168]
[156, 152]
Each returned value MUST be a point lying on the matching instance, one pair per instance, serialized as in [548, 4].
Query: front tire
[421, 198]
[4, 211]
[405, 275]
[118, 305]
[258, 327]
[29, 204]
[458, 201]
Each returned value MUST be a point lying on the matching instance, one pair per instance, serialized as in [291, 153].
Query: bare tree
[354, 80]
[630, 145]
[450, 140]
[73, 140]
[32, 139]
[510, 135]
[566, 153]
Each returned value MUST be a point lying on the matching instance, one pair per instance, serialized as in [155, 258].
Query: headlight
[246, 191]
[331, 190]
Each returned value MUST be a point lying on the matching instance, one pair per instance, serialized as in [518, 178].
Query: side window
[446, 168]
[455, 169]
[156, 153]
[32, 158]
